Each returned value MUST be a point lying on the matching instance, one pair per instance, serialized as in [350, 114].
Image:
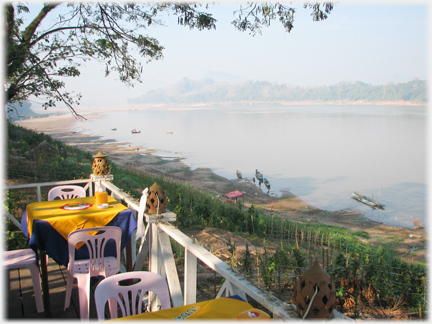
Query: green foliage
[15, 240]
[38, 156]
[267, 267]
[247, 262]
[253, 16]
[299, 260]
[178, 251]
[232, 259]
[208, 90]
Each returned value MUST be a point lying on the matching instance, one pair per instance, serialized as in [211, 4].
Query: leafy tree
[40, 54]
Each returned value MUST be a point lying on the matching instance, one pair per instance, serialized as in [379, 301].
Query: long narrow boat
[135, 131]
[239, 175]
[259, 175]
[267, 183]
[367, 201]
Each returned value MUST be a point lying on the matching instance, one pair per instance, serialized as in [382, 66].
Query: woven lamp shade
[100, 165]
[156, 196]
[323, 303]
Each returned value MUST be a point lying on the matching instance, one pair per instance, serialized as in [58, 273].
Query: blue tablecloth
[48, 240]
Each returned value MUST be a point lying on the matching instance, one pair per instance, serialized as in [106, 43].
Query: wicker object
[156, 199]
[315, 289]
[100, 165]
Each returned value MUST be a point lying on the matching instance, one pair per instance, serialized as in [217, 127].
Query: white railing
[156, 244]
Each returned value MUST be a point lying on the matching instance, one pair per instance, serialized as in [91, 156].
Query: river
[320, 153]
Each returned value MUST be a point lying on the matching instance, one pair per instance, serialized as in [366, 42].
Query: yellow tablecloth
[215, 309]
[71, 214]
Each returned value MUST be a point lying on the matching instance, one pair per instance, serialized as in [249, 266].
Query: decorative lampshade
[156, 198]
[315, 279]
[100, 164]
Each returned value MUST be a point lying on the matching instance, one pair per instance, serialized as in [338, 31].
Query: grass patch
[396, 239]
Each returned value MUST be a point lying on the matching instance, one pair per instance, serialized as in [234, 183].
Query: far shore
[210, 105]
[289, 206]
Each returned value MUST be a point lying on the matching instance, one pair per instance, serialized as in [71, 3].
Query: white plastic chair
[96, 265]
[66, 192]
[26, 258]
[110, 290]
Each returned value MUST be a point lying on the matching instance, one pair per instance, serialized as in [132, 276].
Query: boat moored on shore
[367, 201]
[267, 183]
[259, 175]
[239, 175]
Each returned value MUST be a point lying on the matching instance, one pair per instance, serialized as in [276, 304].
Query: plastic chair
[66, 192]
[110, 290]
[26, 258]
[96, 265]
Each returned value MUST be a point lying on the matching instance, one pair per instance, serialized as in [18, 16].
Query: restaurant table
[223, 308]
[47, 225]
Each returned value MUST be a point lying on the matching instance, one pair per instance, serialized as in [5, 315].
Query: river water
[320, 153]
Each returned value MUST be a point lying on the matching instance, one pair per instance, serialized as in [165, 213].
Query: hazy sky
[373, 43]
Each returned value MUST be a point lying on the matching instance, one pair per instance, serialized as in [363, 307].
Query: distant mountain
[211, 91]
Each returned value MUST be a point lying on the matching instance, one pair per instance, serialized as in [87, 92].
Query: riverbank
[289, 206]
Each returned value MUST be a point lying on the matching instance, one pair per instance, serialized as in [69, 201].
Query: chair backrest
[134, 294]
[96, 245]
[66, 192]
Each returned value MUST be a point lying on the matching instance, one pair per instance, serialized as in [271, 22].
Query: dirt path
[410, 244]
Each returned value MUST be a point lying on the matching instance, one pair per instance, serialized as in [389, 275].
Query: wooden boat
[367, 201]
[239, 175]
[267, 183]
[135, 131]
[113, 129]
[259, 175]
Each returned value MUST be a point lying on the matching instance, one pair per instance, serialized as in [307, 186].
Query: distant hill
[210, 91]
[16, 111]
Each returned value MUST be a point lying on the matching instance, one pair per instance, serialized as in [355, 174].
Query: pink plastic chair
[26, 258]
[110, 290]
[66, 192]
[96, 265]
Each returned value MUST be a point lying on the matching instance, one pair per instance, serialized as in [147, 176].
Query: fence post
[190, 278]
[39, 195]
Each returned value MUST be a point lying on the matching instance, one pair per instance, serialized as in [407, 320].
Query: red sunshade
[234, 194]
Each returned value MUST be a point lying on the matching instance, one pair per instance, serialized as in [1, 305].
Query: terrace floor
[19, 298]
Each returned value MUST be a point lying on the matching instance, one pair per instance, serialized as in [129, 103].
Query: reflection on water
[319, 153]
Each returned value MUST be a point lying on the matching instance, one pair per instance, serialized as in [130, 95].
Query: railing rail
[39, 185]
[156, 244]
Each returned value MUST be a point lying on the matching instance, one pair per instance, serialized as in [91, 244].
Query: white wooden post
[153, 259]
[154, 244]
[190, 277]
[170, 270]
[158, 251]
[152, 222]
[98, 179]
[143, 250]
